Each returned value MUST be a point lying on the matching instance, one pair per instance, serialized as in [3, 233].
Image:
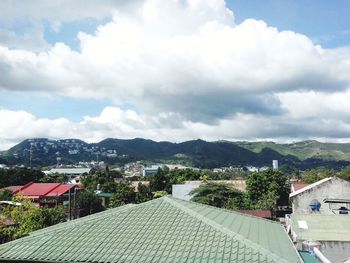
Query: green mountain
[197, 153]
[304, 150]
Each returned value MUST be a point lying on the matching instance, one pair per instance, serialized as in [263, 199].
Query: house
[331, 232]
[321, 215]
[327, 196]
[48, 195]
[161, 230]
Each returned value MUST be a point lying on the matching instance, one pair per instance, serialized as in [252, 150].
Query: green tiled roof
[161, 230]
[322, 227]
[307, 257]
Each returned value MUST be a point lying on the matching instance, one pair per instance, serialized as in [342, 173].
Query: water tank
[315, 205]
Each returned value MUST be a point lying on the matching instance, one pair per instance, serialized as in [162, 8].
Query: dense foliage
[265, 190]
[89, 203]
[27, 218]
[219, 195]
[19, 176]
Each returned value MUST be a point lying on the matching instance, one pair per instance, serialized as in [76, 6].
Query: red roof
[38, 190]
[60, 190]
[298, 186]
[258, 213]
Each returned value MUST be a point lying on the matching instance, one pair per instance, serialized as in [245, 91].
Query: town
[174, 131]
[306, 211]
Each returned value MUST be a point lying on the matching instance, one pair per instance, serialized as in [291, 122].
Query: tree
[6, 195]
[89, 203]
[28, 218]
[124, 194]
[159, 181]
[267, 189]
[314, 175]
[143, 194]
[54, 178]
[219, 195]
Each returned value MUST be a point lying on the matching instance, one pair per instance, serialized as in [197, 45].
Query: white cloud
[114, 122]
[188, 71]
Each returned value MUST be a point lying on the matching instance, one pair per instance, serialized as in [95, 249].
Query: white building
[275, 164]
[71, 173]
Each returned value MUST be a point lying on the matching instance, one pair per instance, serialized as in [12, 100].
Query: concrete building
[331, 232]
[321, 215]
[331, 194]
[150, 170]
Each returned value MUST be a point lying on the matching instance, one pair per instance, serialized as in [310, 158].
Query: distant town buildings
[70, 173]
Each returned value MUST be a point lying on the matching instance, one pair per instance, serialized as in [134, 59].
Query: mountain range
[197, 153]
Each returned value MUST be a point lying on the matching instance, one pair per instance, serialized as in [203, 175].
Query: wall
[182, 191]
[335, 188]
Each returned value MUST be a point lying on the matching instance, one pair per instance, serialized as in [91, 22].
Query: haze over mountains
[197, 153]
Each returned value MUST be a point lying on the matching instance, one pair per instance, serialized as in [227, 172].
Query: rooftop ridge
[269, 254]
[310, 186]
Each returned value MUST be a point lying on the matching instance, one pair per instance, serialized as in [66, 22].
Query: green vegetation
[27, 218]
[6, 195]
[303, 150]
[314, 175]
[197, 153]
[19, 176]
[265, 190]
[219, 195]
[89, 203]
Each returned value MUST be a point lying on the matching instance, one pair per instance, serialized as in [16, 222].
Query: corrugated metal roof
[70, 170]
[60, 190]
[258, 213]
[38, 190]
[310, 186]
[298, 186]
[321, 227]
[161, 230]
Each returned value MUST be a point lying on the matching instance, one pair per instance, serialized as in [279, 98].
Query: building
[150, 170]
[70, 173]
[331, 232]
[275, 164]
[321, 216]
[161, 230]
[332, 195]
[48, 195]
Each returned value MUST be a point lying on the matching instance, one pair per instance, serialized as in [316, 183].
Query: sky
[175, 70]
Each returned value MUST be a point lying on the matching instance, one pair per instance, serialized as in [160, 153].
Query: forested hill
[197, 153]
